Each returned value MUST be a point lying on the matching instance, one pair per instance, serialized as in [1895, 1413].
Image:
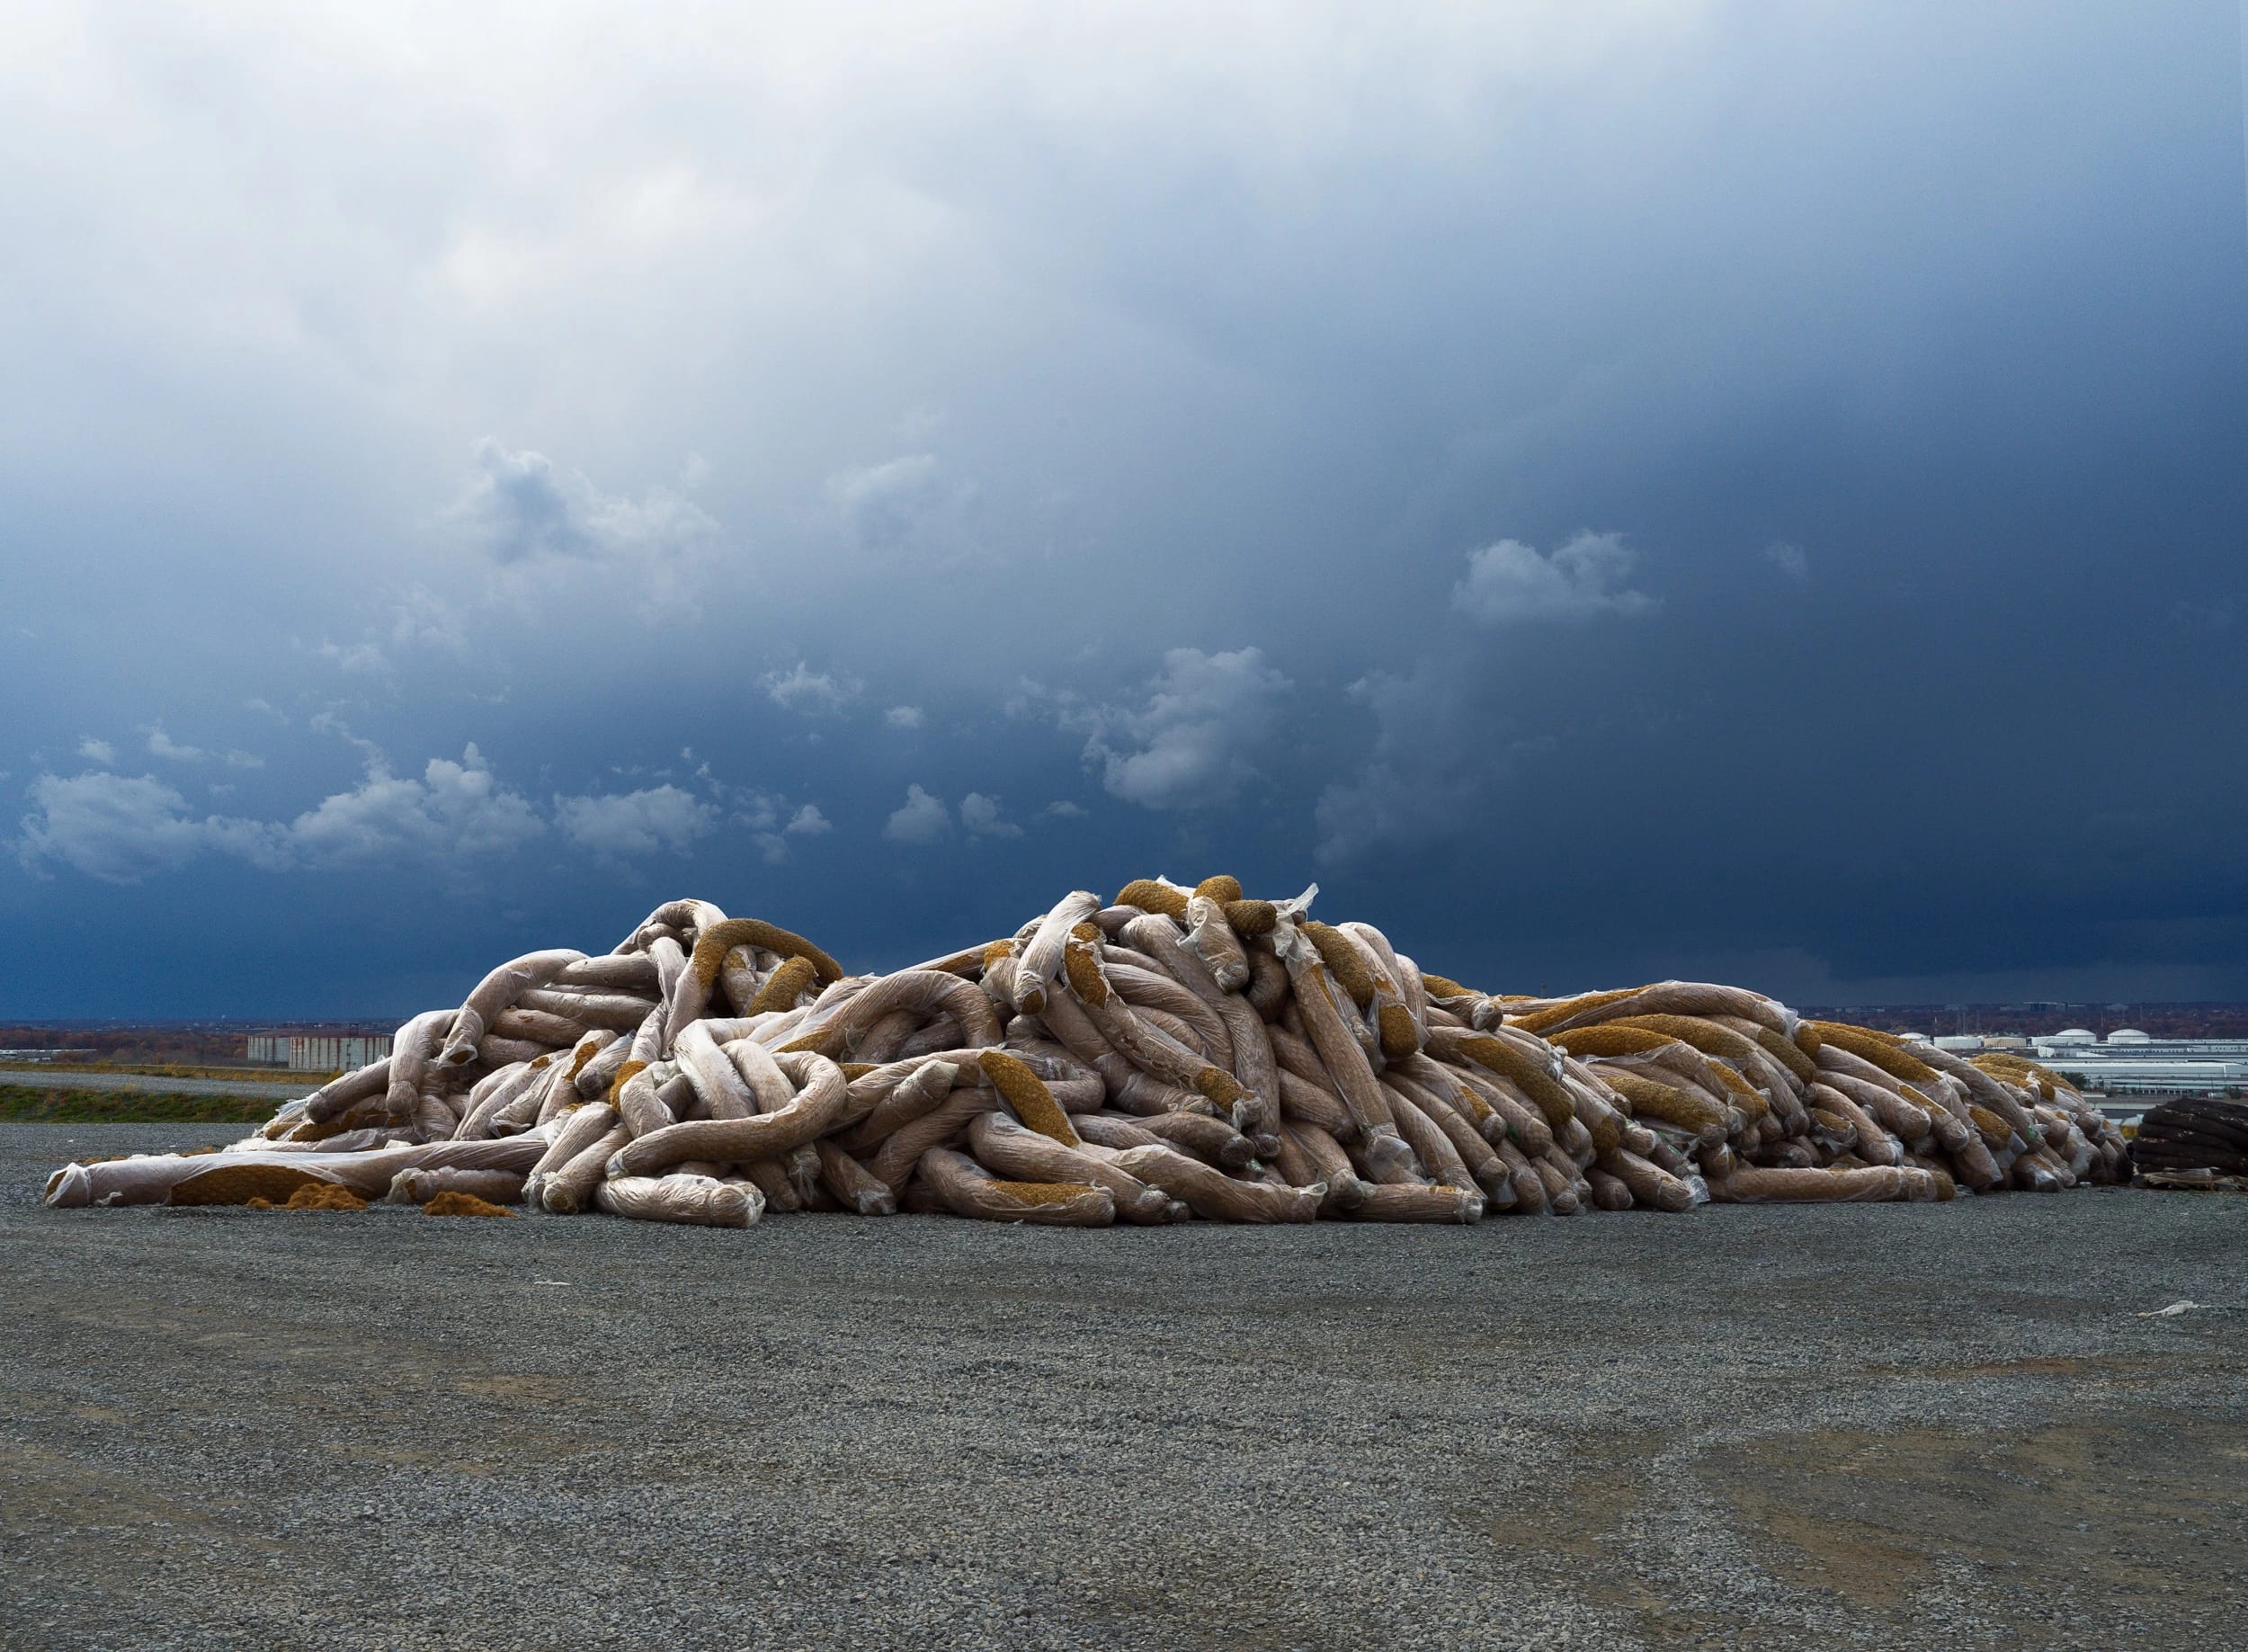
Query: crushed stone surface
[1853, 1425]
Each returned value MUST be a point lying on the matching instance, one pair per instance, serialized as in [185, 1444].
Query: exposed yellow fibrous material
[1879, 1048]
[1554, 1015]
[1746, 1096]
[996, 951]
[829, 1041]
[2024, 1072]
[1252, 918]
[1789, 1054]
[240, 1184]
[1149, 896]
[1083, 970]
[1026, 1093]
[1045, 1192]
[453, 1203]
[1444, 986]
[1215, 1084]
[1707, 1036]
[1399, 1036]
[783, 986]
[625, 1074]
[1221, 888]
[858, 1069]
[323, 1196]
[1343, 961]
[1995, 1131]
[1652, 1099]
[1611, 1038]
[1533, 1080]
[713, 944]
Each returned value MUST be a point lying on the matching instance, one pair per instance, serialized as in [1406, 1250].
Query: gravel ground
[52, 1078]
[1876, 1425]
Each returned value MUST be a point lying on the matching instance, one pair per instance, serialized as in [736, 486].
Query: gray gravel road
[62, 1078]
[1865, 1425]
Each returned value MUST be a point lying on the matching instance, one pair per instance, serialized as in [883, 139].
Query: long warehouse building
[318, 1052]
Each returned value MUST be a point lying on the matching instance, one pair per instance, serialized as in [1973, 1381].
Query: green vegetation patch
[24, 1104]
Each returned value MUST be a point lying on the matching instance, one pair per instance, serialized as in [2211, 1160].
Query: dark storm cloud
[1612, 491]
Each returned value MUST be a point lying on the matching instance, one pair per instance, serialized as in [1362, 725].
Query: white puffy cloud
[805, 822]
[980, 817]
[122, 829]
[624, 826]
[454, 810]
[811, 693]
[1191, 745]
[162, 744]
[923, 819]
[1509, 582]
[97, 751]
[902, 716]
[1062, 808]
[521, 508]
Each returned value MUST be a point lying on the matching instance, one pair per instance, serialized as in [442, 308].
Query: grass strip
[24, 1104]
[245, 1076]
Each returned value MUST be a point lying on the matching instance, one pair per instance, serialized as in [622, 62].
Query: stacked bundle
[1178, 1052]
[2193, 1140]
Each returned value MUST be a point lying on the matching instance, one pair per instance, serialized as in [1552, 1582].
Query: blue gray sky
[1609, 491]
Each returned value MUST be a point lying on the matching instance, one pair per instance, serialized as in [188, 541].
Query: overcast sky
[1611, 491]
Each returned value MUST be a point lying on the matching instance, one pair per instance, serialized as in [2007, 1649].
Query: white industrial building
[318, 1052]
[2128, 1062]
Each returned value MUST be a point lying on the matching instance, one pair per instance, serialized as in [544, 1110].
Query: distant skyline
[1610, 492]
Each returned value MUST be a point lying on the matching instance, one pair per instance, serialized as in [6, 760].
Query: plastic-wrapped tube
[902, 1149]
[970, 1190]
[618, 1012]
[924, 992]
[569, 1187]
[1752, 1185]
[1331, 1166]
[1011, 1150]
[269, 1172]
[421, 1186]
[1338, 1048]
[1214, 1195]
[738, 1140]
[589, 1124]
[1039, 965]
[920, 1092]
[851, 1185]
[1211, 939]
[1406, 1202]
[496, 992]
[632, 972]
[700, 1201]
